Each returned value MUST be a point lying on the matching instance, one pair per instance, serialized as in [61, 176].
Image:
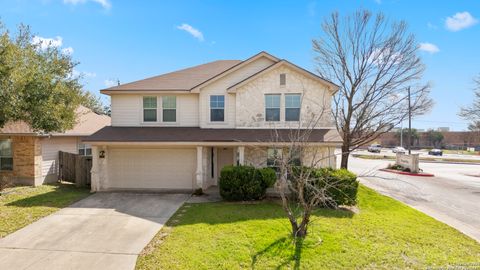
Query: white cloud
[83, 74]
[459, 21]
[68, 50]
[429, 47]
[44, 43]
[104, 3]
[192, 31]
[109, 83]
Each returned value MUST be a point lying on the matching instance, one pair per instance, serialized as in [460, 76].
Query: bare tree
[295, 158]
[373, 61]
[472, 112]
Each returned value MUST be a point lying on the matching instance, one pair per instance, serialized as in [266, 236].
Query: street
[452, 196]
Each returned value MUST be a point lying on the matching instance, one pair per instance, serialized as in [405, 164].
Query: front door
[224, 158]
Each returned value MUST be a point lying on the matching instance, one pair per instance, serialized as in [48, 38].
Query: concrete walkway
[103, 231]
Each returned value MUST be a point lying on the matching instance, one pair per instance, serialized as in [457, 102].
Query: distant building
[443, 129]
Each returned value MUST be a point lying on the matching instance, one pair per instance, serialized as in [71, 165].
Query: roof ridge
[174, 71]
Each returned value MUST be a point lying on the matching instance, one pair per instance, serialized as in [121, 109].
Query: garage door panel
[151, 168]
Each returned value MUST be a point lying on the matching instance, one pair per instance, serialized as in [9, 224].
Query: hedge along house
[31, 158]
[177, 130]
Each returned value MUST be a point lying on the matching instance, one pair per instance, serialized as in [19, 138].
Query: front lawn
[20, 206]
[385, 234]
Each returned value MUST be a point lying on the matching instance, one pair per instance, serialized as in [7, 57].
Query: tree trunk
[345, 155]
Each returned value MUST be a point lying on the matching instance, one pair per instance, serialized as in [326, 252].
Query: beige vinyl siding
[127, 110]
[50, 148]
[132, 168]
[220, 88]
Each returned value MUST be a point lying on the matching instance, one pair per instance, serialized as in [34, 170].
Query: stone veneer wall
[321, 156]
[27, 160]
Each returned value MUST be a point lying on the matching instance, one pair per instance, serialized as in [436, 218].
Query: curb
[407, 173]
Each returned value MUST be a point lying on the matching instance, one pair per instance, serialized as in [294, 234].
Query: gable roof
[193, 78]
[181, 80]
[87, 123]
[236, 67]
[305, 72]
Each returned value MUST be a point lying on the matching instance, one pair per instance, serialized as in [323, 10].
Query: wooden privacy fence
[74, 168]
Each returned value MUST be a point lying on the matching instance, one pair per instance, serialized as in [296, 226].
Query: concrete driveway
[103, 231]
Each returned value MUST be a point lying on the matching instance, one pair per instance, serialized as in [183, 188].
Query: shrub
[269, 176]
[244, 183]
[342, 185]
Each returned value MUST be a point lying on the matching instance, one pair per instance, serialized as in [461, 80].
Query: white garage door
[151, 168]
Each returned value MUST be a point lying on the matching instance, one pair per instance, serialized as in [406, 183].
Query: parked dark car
[435, 152]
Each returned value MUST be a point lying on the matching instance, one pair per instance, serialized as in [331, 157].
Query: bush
[269, 176]
[245, 183]
[342, 184]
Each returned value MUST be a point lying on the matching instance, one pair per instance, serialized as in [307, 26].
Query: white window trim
[280, 120]
[225, 118]
[285, 108]
[159, 121]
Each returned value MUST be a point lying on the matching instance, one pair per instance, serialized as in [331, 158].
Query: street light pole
[409, 123]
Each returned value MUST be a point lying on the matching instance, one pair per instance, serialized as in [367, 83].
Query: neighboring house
[176, 131]
[31, 158]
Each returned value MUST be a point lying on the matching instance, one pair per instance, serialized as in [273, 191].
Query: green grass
[20, 206]
[385, 234]
[461, 152]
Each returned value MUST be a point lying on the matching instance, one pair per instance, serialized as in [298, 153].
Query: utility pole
[401, 134]
[409, 123]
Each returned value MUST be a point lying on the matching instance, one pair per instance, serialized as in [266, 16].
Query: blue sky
[130, 40]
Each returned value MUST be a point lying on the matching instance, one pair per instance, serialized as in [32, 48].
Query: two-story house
[177, 130]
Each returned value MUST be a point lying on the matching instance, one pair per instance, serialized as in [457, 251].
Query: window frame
[151, 109]
[287, 108]
[169, 109]
[216, 108]
[7, 156]
[267, 108]
[85, 147]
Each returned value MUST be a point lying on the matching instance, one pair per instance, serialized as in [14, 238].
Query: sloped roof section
[87, 123]
[181, 80]
[17, 127]
[196, 134]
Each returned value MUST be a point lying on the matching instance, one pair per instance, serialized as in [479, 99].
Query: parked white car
[399, 150]
[375, 148]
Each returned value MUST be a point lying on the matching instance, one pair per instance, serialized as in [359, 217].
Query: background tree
[36, 83]
[435, 138]
[373, 61]
[472, 112]
[413, 138]
[94, 103]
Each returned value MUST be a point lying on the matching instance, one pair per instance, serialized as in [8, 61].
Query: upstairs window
[292, 107]
[283, 79]
[84, 149]
[217, 108]
[272, 107]
[6, 157]
[169, 108]
[150, 109]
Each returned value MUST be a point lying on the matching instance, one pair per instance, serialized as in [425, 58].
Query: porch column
[199, 171]
[241, 155]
